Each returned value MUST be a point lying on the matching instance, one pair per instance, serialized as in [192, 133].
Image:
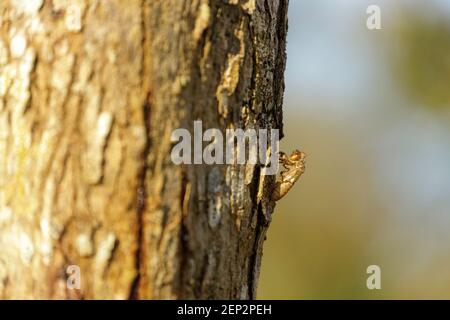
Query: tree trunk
[90, 92]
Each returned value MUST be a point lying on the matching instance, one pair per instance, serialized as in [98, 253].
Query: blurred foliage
[319, 242]
[337, 220]
[421, 57]
[343, 216]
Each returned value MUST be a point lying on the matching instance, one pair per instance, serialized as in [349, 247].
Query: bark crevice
[141, 200]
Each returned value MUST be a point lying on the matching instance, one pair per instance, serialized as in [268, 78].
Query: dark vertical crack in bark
[184, 245]
[256, 253]
[278, 83]
[141, 195]
[141, 191]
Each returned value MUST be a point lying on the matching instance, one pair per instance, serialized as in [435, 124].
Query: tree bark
[90, 92]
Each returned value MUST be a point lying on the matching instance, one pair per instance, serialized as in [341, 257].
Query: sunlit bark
[90, 92]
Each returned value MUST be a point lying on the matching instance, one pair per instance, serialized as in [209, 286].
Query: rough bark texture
[90, 92]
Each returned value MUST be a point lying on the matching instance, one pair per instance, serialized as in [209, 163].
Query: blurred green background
[372, 111]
